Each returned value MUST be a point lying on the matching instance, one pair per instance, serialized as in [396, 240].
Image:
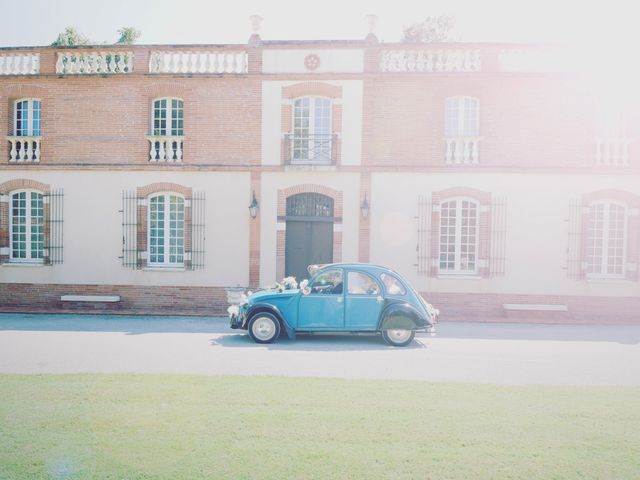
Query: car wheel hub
[399, 336]
[264, 328]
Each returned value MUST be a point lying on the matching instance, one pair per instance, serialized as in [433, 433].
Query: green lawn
[190, 427]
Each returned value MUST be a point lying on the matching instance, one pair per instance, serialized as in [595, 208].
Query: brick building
[500, 181]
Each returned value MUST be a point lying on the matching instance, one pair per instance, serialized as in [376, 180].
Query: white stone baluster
[23, 150]
[178, 150]
[60, 63]
[162, 152]
[152, 150]
[120, 61]
[28, 151]
[37, 151]
[13, 154]
[111, 62]
[9, 65]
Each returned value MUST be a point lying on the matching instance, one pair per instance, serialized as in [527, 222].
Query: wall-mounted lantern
[253, 206]
[364, 207]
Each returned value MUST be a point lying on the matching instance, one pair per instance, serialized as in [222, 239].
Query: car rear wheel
[397, 337]
[264, 328]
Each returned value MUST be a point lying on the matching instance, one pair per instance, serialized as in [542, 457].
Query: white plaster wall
[351, 140]
[536, 238]
[331, 60]
[348, 184]
[93, 229]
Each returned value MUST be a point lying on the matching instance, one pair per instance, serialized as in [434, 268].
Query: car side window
[359, 283]
[392, 285]
[329, 282]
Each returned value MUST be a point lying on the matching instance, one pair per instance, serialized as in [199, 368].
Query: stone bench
[90, 298]
[534, 307]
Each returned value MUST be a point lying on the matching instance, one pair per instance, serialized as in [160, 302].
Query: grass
[190, 427]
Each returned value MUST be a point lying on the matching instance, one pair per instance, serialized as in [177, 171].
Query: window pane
[361, 284]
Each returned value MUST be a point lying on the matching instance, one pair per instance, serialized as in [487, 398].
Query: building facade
[500, 183]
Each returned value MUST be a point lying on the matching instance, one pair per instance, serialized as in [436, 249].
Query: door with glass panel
[166, 230]
[312, 131]
[27, 227]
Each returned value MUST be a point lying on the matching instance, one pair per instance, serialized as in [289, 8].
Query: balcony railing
[165, 148]
[94, 62]
[198, 62]
[310, 149]
[612, 152]
[20, 64]
[24, 149]
[430, 61]
[462, 150]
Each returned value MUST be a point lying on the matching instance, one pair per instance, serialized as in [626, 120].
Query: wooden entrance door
[309, 233]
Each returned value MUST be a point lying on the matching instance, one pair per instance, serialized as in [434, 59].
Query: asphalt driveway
[461, 352]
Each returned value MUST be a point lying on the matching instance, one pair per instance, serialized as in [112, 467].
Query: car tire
[264, 327]
[398, 337]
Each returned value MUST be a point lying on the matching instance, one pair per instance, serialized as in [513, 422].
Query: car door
[323, 307]
[363, 302]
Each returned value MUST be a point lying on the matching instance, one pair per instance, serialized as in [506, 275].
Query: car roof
[358, 266]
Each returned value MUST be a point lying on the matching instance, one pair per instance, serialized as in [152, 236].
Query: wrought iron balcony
[310, 149]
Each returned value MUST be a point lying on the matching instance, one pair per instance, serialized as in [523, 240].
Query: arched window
[462, 130]
[26, 226]
[167, 127]
[26, 118]
[168, 117]
[462, 117]
[459, 219]
[166, 232]
[312, 130]
[606, 240]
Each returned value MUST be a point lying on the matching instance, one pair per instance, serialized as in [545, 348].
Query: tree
[128, 35]
[70, 38]
[431, 29]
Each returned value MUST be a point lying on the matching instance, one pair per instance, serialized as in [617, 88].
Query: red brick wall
[530, 120]
[98, 120]
[27, 297]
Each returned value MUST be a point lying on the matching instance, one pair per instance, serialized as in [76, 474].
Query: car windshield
[328, 282]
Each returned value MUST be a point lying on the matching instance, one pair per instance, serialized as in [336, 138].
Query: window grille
[134, 241]
[423, 249]
[310, 205]
[55, 222]
[498, 234]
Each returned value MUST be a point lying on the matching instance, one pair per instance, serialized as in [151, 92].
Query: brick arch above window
[163, 187]
[22, 91]
[172, 89]
[305, 89]
[482, 197]
[24, 184]
[632, 200]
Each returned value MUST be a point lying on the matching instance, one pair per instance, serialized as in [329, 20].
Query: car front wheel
[264, 328]
[398, 337]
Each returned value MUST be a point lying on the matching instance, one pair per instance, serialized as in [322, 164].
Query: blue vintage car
[341, 297]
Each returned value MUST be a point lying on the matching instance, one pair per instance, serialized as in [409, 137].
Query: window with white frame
[459, 236]
[166, 230]
[312, 130]
[26, 118]
[462, 117]
[27, 227]
[168, 117]
[606, 240]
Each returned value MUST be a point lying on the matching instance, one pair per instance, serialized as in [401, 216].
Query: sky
[38, 22]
